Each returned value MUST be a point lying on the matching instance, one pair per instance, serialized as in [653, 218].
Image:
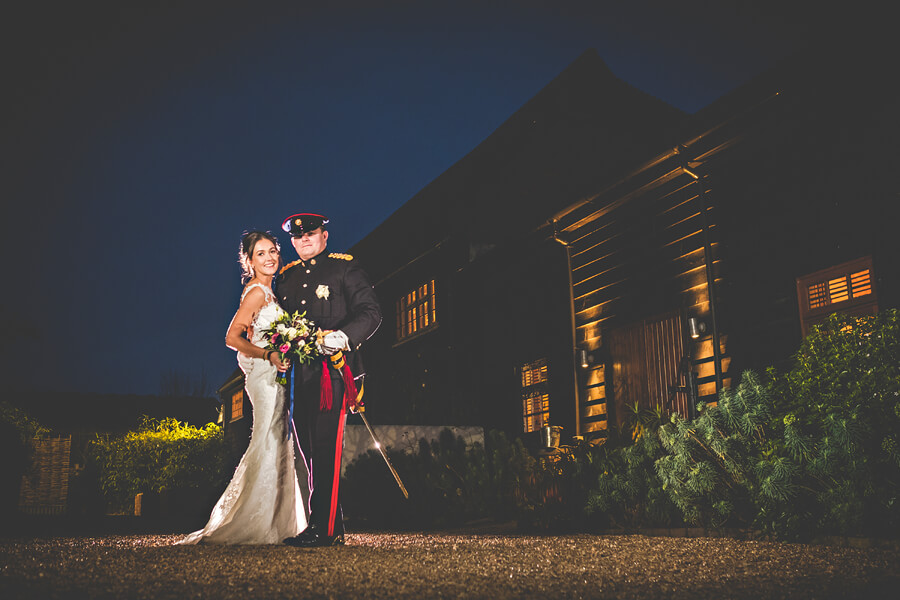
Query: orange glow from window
[840, 289]
[535, 399]
[861, 283]
[416, 311]
[237, 405]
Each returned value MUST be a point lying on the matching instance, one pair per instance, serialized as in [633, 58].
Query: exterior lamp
[585, 359]
[696, 327]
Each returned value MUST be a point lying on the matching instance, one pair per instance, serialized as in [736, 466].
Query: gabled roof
[583, 128]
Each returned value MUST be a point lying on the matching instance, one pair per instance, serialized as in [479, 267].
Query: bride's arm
[236, 336]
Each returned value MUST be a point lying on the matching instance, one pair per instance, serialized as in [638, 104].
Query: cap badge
[299, 222]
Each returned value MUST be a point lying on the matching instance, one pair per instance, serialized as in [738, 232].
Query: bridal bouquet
[294, 337]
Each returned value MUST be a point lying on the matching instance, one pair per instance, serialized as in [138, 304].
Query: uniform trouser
[320, 434]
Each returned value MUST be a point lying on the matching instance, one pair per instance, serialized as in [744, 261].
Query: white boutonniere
[323, 292]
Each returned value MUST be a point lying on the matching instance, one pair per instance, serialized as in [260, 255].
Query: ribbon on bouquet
[351, 395]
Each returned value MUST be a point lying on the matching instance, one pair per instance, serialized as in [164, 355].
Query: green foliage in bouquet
[161, 455]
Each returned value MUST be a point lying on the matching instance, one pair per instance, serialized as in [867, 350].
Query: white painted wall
[406, 437]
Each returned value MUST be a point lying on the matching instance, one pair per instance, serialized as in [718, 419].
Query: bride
[262, 504]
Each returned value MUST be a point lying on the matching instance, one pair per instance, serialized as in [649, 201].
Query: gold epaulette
[340, 256]
[288, 266]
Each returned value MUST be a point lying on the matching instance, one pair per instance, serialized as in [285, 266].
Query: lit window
[846, 288]
[416, 311]
[237, 405]
[840, 289]
[535, 398]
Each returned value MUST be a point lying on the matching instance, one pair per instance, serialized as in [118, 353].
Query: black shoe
[318, 540]
[302, 537]
[312, 537]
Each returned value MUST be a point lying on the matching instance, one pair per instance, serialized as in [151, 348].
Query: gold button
[303, 302]
[312, 262]
[304, 285]
[307, 270]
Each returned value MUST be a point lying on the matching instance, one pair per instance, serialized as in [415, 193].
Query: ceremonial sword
[377, 445]
[337, 360]
[384, 454]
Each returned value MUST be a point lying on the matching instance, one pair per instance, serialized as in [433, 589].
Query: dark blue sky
[141, 139]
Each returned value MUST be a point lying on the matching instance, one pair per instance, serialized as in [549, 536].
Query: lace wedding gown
[262, 504]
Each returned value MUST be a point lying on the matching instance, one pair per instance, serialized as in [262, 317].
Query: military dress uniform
[336, 294]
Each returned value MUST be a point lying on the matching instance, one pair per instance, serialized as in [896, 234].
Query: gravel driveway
[385, 565]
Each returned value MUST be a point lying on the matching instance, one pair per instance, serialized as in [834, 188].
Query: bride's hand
[282, 366]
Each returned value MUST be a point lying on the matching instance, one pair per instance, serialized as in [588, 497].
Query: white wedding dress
[262, 504]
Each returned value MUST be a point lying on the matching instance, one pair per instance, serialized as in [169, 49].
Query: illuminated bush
[162, 455]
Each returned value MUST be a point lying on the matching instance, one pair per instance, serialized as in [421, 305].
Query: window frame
[412, 321]
[828, 279]
[534, 392]
[237, 401]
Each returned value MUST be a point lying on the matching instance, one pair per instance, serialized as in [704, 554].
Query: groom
[337, 296]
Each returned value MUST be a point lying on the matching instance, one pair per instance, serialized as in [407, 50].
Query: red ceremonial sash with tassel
[350, 392]
[350, 400]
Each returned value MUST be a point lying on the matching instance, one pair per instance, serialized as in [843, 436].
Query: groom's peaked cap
[301, 223]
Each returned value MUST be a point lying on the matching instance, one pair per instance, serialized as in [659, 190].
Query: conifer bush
[712, 470]
[627, 492]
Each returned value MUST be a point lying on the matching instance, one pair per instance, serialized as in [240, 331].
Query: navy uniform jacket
[336, 294]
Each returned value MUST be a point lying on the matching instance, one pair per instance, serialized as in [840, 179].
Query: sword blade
[384, 455]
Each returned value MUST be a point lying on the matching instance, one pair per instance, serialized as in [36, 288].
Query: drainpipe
[710, 277]
[568, 248]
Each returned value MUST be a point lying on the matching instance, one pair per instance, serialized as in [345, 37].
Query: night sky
[140, 139]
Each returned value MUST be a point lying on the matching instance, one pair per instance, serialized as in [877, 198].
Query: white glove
[334, 341]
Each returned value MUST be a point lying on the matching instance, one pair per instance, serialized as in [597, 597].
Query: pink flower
[285, 347]
[274, 338]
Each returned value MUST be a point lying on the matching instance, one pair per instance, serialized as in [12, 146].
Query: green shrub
[838, 412]
[449, 483]
[162, 455]
[26, 427]
[17, 433]
[814, 451]
[713, 471]
[810, 452]
[628, 493]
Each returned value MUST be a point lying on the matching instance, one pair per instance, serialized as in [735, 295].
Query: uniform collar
[315, 260]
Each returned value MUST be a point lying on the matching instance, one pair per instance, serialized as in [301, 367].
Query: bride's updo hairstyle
[248, 243]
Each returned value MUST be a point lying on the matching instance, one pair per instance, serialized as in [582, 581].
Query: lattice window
[840, 289]
[848, 287]
[535, 397]
[536, 412]
[417, 311]
[534, 373]
[237, 405]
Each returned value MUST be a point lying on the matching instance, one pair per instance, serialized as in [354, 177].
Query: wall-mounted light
[696, 327]
[584, 359]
